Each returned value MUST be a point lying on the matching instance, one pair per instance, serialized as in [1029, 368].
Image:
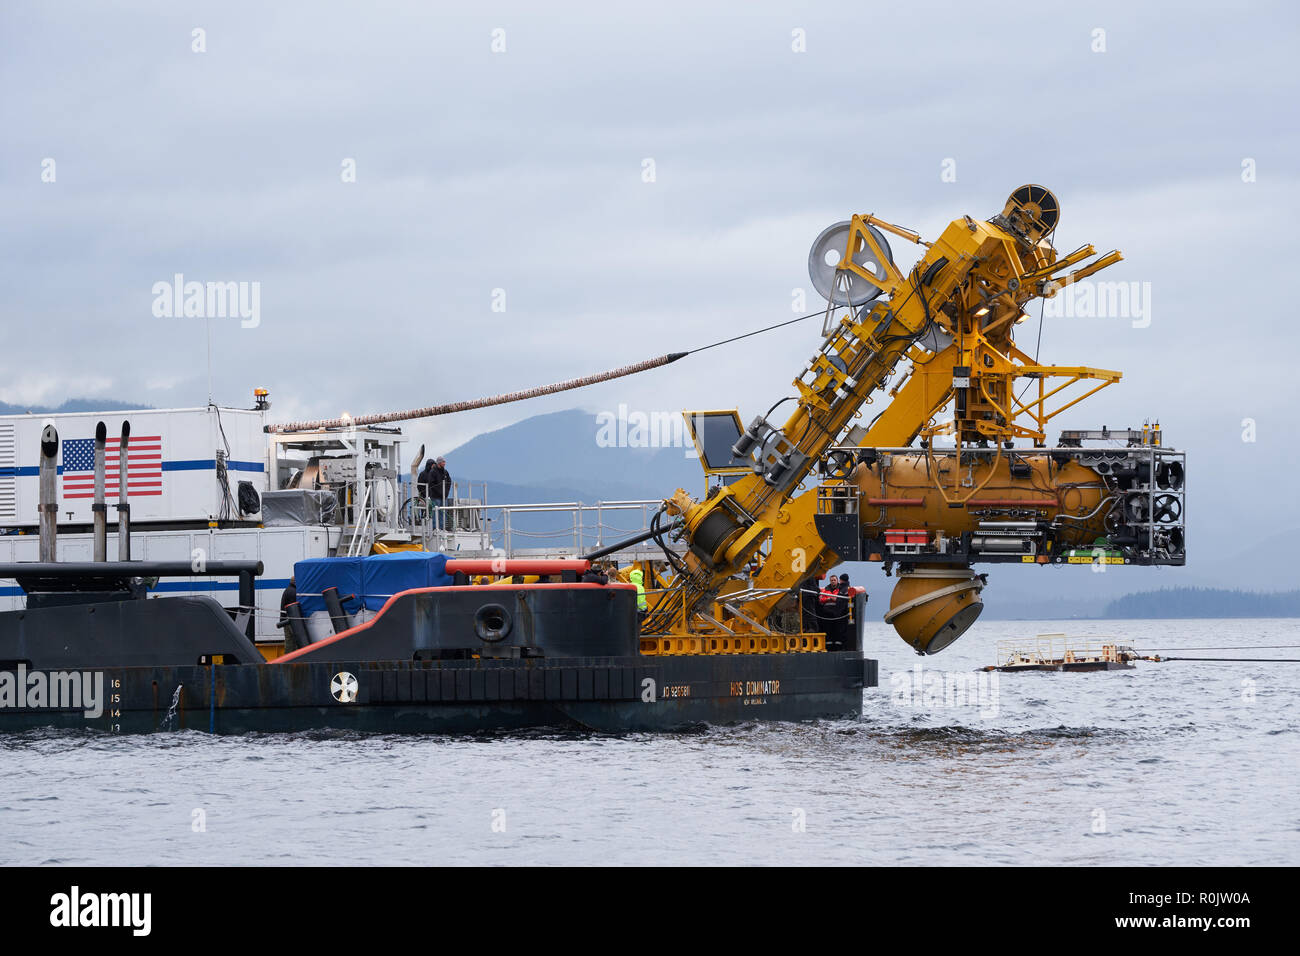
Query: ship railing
[523, 529]
[464, 513]
[460, 515]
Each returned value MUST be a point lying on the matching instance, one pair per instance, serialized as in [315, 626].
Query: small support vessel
[1057, 652]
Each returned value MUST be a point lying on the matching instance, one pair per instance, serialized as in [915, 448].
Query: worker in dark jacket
[441, 483]
[843, 607]
[424, 484]
[826, 618]
[435, 485]
[834, 601]
[288, 596]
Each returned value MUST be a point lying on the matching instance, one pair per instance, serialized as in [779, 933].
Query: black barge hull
[448, 659]
[615, 695]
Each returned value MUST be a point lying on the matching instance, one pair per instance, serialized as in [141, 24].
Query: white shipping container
[277, 548]
[173, 461]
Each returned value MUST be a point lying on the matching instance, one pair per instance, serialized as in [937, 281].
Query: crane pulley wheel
[842, 287]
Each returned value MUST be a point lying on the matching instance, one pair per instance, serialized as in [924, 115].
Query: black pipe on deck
[620, 545]
[295, 628]
[98, 508]
[134, 569]
[248, 599]
[335, 606]
[49, 498]
[123, 506]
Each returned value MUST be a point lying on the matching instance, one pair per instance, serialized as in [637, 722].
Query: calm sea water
[1189, 763]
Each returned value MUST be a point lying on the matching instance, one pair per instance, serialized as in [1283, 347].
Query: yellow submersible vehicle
[928, 499]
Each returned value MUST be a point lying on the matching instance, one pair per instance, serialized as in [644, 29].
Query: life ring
[492, 623]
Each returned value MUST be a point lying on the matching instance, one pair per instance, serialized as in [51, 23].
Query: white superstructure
[212, 484]
[190, 473]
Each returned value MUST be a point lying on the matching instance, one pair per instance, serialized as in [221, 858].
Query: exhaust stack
[49, 503]
[123, 507]
[99, 509]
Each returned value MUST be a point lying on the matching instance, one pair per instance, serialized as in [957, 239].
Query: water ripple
[1168, 763]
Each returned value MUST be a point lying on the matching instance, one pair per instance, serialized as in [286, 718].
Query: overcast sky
[523, 170]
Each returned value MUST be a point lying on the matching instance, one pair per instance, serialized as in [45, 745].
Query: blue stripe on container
[204, 464]
[263, 584]
[198, 464]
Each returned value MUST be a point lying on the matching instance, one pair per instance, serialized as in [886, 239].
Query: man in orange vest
[835, 601]
[826, 615]
[843, 606]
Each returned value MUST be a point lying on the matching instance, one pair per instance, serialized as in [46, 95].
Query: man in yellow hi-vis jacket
[636, 577]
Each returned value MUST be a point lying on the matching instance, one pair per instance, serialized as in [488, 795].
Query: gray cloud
[522, 171]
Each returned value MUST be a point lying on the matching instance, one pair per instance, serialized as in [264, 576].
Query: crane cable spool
[932, 607]
[1032, 211]
[840, 286]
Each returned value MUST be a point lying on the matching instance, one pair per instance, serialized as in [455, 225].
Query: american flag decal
[143, 467]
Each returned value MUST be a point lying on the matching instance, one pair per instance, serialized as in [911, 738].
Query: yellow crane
[943, 333]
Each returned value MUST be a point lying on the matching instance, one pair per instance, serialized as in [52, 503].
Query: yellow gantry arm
[953, 315]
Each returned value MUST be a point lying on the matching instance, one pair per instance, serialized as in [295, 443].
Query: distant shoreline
[1171, 604]
[1206, 603]
[1159, 617]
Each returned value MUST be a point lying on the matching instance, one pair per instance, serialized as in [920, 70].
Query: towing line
[428, 411]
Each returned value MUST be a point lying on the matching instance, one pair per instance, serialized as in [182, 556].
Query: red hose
[517, 565]
[1013, 502]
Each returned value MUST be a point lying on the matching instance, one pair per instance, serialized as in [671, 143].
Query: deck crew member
[288, 596]
[843, 607]
[424, 484]
[826, 608]
[637, 578]
[834, 611]
[439, 484]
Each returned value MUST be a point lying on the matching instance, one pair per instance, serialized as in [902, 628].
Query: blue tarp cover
[373, 579]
